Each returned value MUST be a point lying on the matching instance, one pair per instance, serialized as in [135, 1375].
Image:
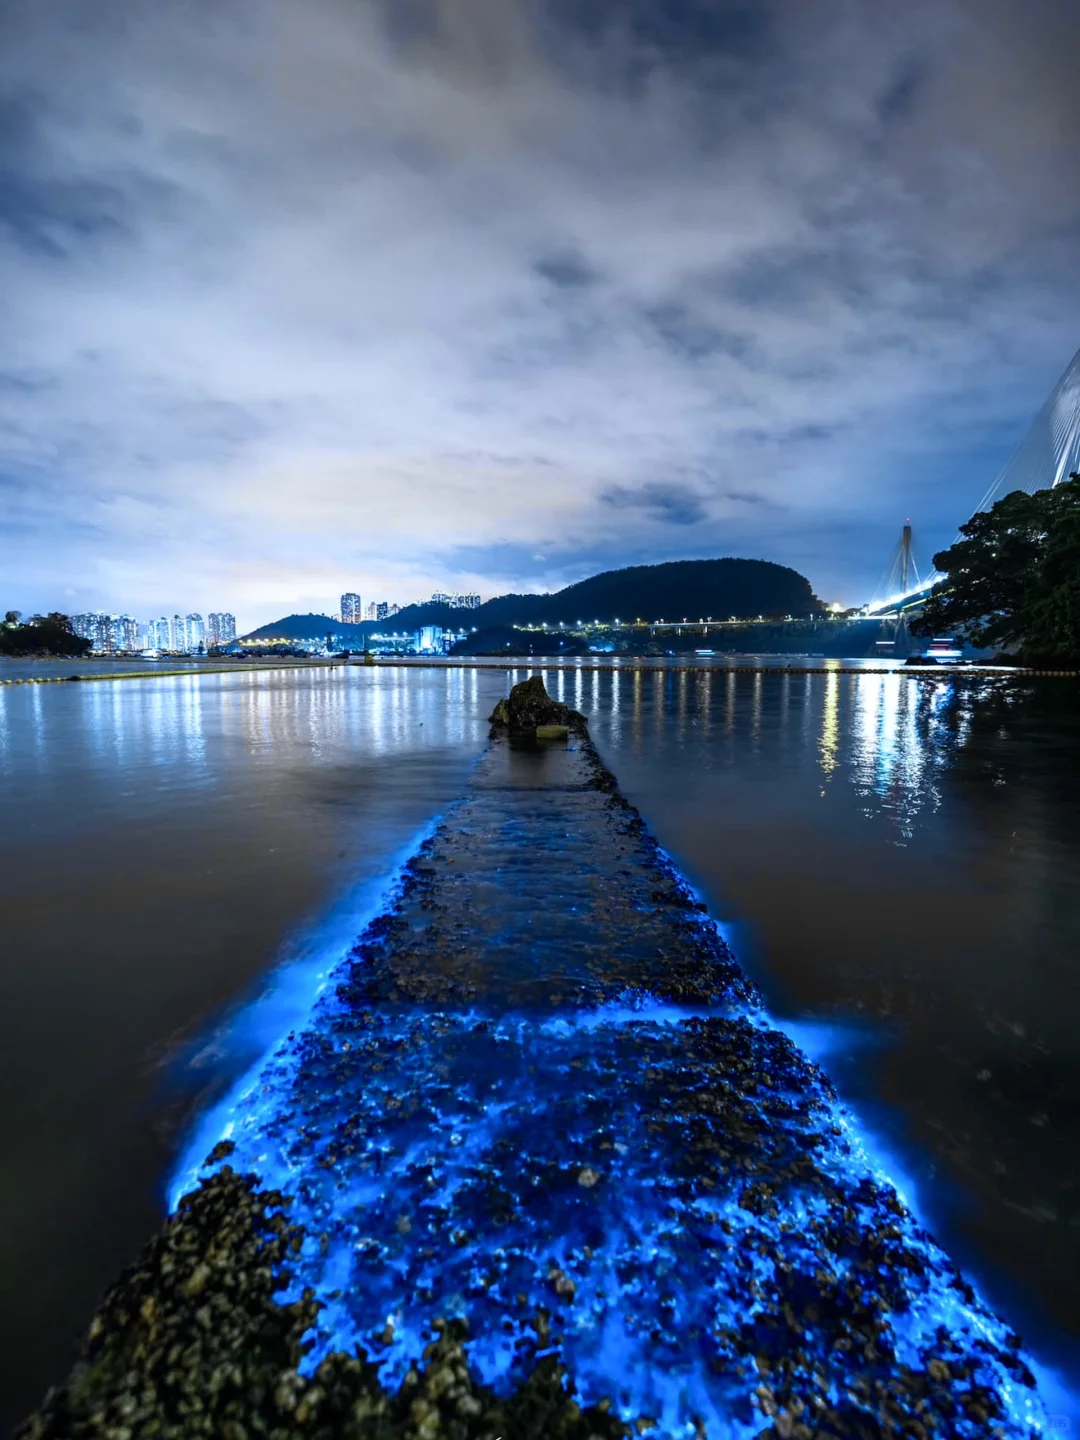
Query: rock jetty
[539, 1165]
[529, 709]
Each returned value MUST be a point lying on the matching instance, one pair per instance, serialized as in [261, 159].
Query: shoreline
[239, 669]
[537, 664]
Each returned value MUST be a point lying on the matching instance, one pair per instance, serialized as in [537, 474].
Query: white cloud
[279, 320]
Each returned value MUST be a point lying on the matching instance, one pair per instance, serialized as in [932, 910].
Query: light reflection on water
[168, 848]
[899, 854]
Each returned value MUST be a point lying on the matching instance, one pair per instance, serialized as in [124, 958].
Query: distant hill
[312, 627]
[677, 589]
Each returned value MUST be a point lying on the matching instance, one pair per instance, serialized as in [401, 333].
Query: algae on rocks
[192, 1342]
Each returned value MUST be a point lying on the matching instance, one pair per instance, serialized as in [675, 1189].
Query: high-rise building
[441, 598]
[83, 625]
[351, 609]
[382, 610]
[94, 626]
[392, 609]
[196, 633]
[470, 602]
[157, 635]
[372, 611]
[123, 633]
[221, 627]
[178, 638]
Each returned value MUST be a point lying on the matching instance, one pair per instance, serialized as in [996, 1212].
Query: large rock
[530, 706]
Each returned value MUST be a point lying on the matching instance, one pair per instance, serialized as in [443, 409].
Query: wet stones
[529, 711]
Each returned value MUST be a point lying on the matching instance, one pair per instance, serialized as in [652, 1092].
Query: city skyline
[88, 622]
[509, 294]
[182, 634]
[109, 630]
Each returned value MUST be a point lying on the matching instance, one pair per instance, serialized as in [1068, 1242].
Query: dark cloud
[670, 503]
[566, 270]
[672, 30]
[688, 333]
[899, 98]
[745, 497]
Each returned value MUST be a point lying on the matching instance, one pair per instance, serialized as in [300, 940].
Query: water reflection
[166, 847]
[899, 855]
[830, 727]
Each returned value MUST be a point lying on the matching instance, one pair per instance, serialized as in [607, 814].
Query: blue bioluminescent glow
[284, 1004]
[489, 1114]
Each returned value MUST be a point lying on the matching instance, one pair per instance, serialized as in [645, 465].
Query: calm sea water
[896, 859]
[61, 669]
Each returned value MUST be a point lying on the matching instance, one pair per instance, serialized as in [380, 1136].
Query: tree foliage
[50, 634]
[1013, 579]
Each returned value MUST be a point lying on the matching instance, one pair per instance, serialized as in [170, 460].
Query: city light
[180, 635]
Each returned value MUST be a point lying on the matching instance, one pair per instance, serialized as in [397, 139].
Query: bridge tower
[903, 573]
[905, 557]
[899, 581]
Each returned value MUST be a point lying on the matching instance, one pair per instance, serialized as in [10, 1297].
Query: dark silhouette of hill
[41, 635]
[675, 590]
[315, 627]
[506, 640]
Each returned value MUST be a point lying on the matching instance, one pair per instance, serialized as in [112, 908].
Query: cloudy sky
[305, 295]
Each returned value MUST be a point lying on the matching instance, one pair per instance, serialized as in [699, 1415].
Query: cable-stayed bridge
[1048, 454]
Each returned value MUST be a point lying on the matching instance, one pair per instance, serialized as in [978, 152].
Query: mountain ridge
[722, 588]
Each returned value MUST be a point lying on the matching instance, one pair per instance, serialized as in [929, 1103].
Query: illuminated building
[429, 640]
[382, 610]
[93, 626]
[107, 633]
[351, 610]
[123, 633]
[158, 636]
[221, 626]
[455, 602]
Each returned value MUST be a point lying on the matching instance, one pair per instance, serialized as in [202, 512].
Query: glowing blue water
[668, 1179]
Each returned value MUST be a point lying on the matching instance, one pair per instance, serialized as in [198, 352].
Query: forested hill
[678, 589]
[689, 589]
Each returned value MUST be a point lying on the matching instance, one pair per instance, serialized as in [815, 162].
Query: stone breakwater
[539, 1166]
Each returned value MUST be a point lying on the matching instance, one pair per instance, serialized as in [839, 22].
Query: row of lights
[707, 620]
